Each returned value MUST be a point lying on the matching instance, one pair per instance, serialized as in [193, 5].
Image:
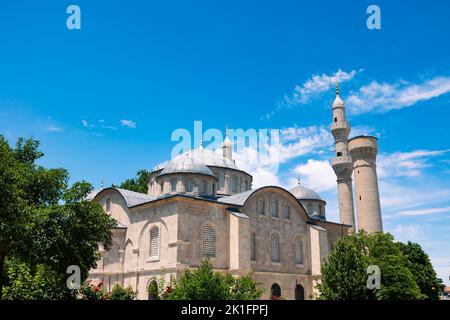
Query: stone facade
[201, 205]
[243, 239]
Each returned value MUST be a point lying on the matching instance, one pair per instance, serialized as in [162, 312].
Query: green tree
[397, 280]
[120, 293]
[344, 271]
[26, 283]
[43, 223]
[204, 283]
[420, 265]
[137, 184]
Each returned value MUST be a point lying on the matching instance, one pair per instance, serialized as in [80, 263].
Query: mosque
[201, 205]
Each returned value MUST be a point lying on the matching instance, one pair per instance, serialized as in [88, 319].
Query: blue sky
[105, 99]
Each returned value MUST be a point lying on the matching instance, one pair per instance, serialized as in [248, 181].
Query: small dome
[302, 193]
[186, 164]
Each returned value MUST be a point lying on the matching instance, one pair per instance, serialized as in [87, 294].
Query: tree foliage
[137, 184]
[32, 283]
[89, 291]
[404, 270]
[45, 226]
[420, 265]
[204, 283]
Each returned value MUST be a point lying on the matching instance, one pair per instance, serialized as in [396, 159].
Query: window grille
[274, 208]
[209, 241]
[298, 247]
[261, 207]
[286, 212]
[275, 242]
[154, 242]
[253, 246]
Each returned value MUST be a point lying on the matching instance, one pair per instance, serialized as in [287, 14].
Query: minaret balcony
[342, 166]
[340, 125]
[340, 161]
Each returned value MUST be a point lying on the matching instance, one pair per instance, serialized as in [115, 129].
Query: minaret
[227, 148]
[342, 163]
[363, 150]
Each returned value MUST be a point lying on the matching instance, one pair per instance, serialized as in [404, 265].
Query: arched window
[274, 207]
[220, 182]
[253, 246]
[246, 185]
[208, 241]
[152, 290]
[108, 205]
[204, 186]
[298, 250]
[154, 241]
[275, 246]
[261, 206]
[173, 185]
[286, 213]
[275, 290]
[299, 292]
[235, 184]
[189, 186]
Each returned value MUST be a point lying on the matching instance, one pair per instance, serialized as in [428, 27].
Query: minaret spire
[342, 163]
[227, 148]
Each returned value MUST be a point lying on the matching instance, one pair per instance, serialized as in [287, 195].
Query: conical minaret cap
[227, 141]
[338, 101]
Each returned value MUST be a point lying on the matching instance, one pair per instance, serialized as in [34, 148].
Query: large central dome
[186, 164]
[212, 173]
[203, 156]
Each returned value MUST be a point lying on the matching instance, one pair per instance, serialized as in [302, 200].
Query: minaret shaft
[342, 163]
[364, 150]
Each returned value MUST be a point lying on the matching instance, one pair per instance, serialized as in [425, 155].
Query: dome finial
[337, 87]
[201, 143]
[299, 182]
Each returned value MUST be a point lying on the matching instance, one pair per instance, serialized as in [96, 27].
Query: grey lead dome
[186, 163]
[302, 193]
[204, 156]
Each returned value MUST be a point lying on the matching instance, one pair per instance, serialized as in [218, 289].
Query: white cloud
[396, 197]
[295, 141]
[263, 177]
[86, 124]
[317, 175]
[382, 97]
[422, 212]
[406, 164]
[318, 84]
[312, 88]
[53, 129]
[408, 232]
[128, 123]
